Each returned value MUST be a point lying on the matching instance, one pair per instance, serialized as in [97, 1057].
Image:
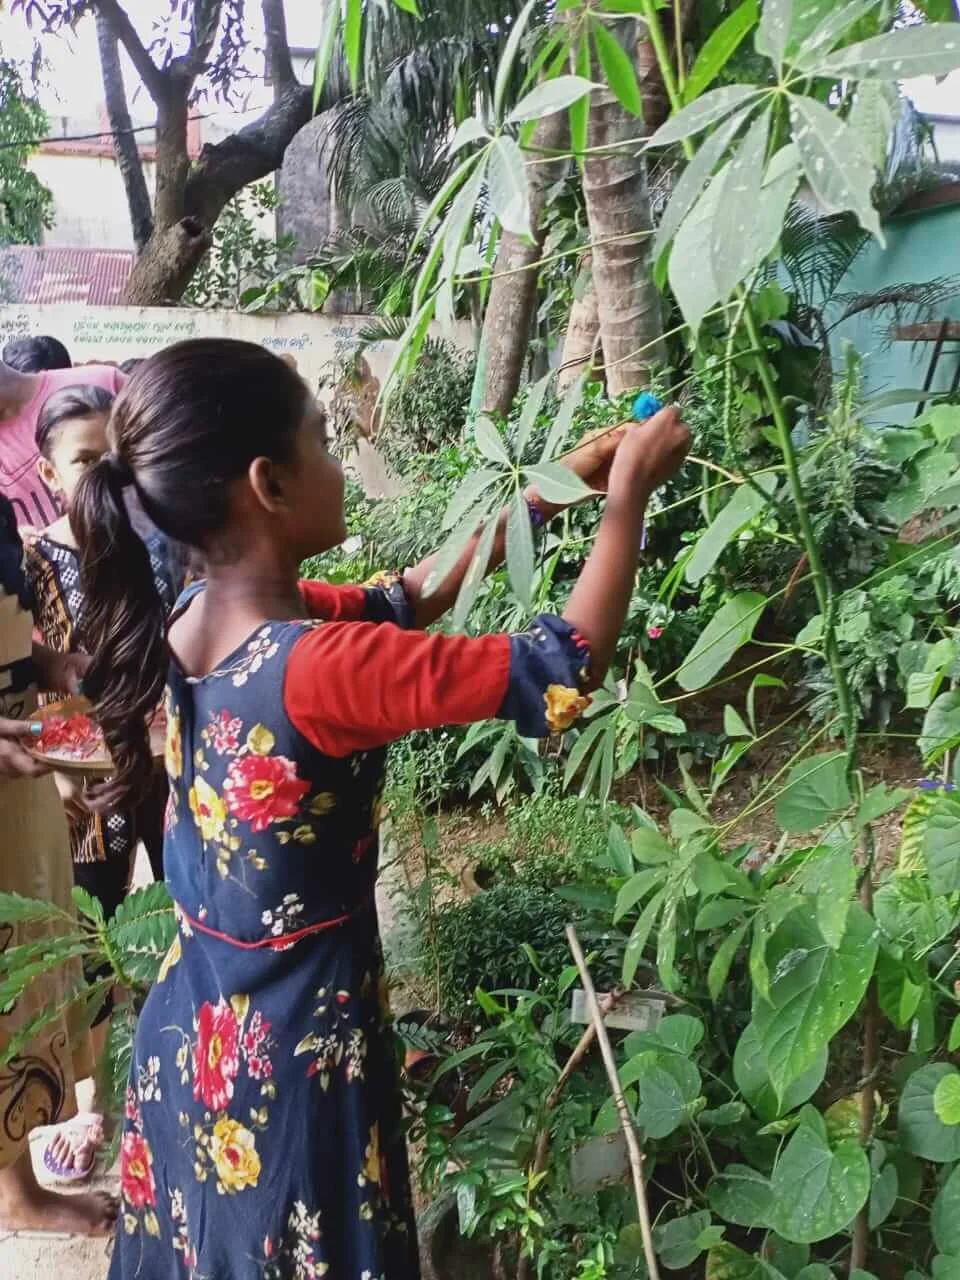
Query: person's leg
[26, 1206]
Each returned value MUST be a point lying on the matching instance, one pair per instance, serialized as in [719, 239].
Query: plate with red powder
[71, 740]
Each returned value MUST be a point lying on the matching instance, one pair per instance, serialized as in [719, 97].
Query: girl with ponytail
[262, 1133]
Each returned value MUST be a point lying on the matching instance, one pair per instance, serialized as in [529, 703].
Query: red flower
[263, 789]
[136, 1171]
[654, 632]
[225, 731]
[216, 1055]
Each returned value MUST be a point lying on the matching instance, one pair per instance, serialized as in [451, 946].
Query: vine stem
[623, 1111]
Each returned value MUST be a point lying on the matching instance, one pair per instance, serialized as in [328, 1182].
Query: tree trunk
[163, 270]
[582, 342]
[618, 212]
[124, 139]
[513, 290]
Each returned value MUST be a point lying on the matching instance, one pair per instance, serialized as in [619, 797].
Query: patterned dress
[102, 844]
[263, 1133]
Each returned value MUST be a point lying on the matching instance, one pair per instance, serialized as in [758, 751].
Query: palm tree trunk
[618, 212]
[513, 290]
[580, 346]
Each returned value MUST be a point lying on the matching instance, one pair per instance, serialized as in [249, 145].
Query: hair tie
[119, 468]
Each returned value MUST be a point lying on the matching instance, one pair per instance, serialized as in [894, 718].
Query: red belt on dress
[279, 943]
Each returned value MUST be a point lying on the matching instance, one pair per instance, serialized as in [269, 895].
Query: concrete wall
[920, 247]
[89, 202]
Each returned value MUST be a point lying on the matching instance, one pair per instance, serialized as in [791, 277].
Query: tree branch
[124, 139]
[246, 156]
[277, 48]
[203, 32]
[152, 76]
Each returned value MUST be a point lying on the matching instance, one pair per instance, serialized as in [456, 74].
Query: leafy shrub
[484, 942]
[429, 408]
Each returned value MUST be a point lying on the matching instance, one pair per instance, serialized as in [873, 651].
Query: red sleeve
[333, 603]
[353, 686]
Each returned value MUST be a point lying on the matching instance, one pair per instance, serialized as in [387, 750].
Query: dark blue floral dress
[263, 1134]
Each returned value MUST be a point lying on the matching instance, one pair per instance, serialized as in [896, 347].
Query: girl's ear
[48, 474]
[266, 484]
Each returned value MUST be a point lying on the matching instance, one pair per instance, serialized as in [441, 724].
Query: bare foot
[71, 1150]
[91, 1214]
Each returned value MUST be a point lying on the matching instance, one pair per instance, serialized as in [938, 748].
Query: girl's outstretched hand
[592, 458]
[649, 453]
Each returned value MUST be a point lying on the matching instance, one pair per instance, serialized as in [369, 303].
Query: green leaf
[633, 952]
[707, 110]
[953, 1042]
[946, 1100]
[528, 415]
[650, 847]
[776, 24]
[932, 49]
[507, 185]
[509, 55]
[815, 791]
[815, 1270]
[817, 1191]
[15, 908]
[719, 47]
[677, 1241]
[408, 6]
[450, 552]
[564, 419]
[752, 1079]
[728, 1113]
[941, 726]
[941, 845]
[872, 118]
[878, 802]
[666, 1092]
[680, 1032]
[88, 905]
[557, 483]
[945, 1215]
[732, 247]
[729, 628]
[636, 888]
[723, 957]
[834, 161]
[921, 1131]
[741, 1196]
[691, 182]
[468, 494]
[814, 992]
[549, 96]
[734, 725]
[469, 130]
[490, 442]
[745, 505]
[580, 110]
[618, 69]
[578, 752]
[822, 39]
[329, 27]
[689, 269]
[718, 913]
[474, 576]
[726, 1262]
[833, 878]
[520, 560]
[352, 37]
[883, 1195]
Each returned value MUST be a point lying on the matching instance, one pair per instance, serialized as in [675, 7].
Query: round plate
[90, 756]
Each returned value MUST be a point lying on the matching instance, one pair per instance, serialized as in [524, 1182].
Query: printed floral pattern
[564, 706]
[216, 1055]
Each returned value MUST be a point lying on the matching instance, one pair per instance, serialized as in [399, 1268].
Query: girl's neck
[262, 592]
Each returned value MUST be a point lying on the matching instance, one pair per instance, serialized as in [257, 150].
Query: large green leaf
[691, 182]
[731, 246]
[941, 726]
[820, 41]
[741, 1196]
[941, 846]
[872, 117]
[557, 483]
[728, 629]
[814, 991]
[817, 1190]
[745, 505]
[690, 270]
[776, 24]
[753, 1080]
[945, 1215]
[678, 1241]
[835, 161]
[883, 1194]
[528, 414]
[507, 185]
[550, 96]
[832, 877]
[509, 55]
[726, 1262]
[520, 558]
[560, 427]
[490, 442]
[618, 69]
[666, 1092]
[946, 1100]
[719, 47]
[929, 50]
[707, 110]
[920, 1129]
[816, 790]
[474, 575]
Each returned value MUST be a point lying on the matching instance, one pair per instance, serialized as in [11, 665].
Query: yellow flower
[173, 748]
[209, 811]
[260, 740]
[322, 803]
[234, 1153]
[305, 835]
[170, 959]
[564, 705]
[371, 1168]
[151, 1223]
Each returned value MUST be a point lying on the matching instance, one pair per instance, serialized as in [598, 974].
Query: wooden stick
[626, 1120]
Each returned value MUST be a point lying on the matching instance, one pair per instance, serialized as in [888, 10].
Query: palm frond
[910, 302]
[817, 251]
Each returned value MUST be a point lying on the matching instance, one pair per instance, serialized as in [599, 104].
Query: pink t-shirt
[32, 501]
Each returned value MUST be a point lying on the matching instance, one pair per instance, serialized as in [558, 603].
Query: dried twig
[626, 1120]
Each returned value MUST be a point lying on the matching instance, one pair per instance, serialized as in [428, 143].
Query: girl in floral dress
[263, 1135]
